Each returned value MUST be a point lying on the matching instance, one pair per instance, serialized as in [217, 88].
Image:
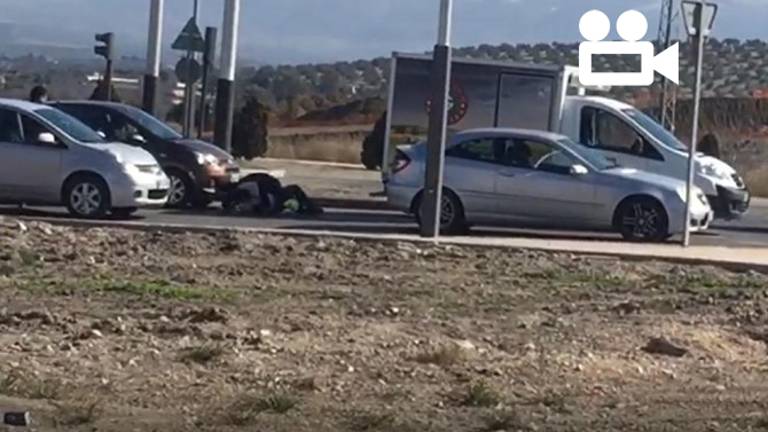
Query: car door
[617, 140]
[31, 168]
[536, 184]
[470, 170]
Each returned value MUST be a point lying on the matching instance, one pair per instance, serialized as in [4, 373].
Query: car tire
[642, 219]
[452, 217]
[181, 191]
[123, 213]
[87, 196]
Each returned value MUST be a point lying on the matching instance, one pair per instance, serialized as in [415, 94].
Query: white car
[501, 176]
[50, 158]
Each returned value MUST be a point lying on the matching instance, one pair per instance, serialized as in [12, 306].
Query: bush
[250, 131]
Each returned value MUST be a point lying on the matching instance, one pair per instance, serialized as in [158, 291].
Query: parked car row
[103, 158]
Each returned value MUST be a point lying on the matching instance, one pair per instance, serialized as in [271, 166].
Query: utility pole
[668, 97]
[225, 95]
[438, 117]
[154, 53]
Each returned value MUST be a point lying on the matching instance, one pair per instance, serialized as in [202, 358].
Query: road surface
[751, 231]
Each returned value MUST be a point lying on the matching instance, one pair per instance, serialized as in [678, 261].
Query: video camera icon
[631, 26]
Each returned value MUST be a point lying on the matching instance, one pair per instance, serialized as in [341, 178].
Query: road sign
[709, 11]
[188, 70]
[190, 38]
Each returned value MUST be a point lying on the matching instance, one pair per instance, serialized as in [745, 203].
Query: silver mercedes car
[524, 177]
[50, 158]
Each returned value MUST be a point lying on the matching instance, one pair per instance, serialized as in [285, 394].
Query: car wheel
[87, 196]
[180, 192]
[643, 220]
[452, 218]
[123, 213]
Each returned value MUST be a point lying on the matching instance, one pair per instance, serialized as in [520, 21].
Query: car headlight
[206, 159]
[711, 171]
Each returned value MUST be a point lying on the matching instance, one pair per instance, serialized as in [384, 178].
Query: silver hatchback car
[511, 176]
[50, 158]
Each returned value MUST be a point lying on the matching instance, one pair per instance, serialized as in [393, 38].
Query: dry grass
[203, 354]
[19, 383]
[444, 355]
[757, 180]
[244, 409]
[480, 394]
[76, 413]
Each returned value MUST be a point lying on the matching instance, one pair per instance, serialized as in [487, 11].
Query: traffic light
[108, 49]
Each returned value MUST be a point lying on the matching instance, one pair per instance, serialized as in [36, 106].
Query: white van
[509, 95]
[631, 138]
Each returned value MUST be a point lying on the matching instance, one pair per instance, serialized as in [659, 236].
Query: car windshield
[593, 157]
[655, 129]
[70, 125]
[153, 125]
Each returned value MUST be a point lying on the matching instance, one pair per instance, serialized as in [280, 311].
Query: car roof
[21, 104]
[91, 103]
[518, 133]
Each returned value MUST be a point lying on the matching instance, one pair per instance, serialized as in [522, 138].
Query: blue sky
[278, 31]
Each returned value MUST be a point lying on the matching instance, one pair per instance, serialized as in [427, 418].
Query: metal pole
[108, 81]
[190, 88]
[699, 20]
[208, 56]
[438, 117]
[154, 52]
[225, 94]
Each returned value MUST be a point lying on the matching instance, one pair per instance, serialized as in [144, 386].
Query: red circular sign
[458, 104]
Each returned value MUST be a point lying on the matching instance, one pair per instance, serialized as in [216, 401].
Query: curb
[397, 238]
[353, 204]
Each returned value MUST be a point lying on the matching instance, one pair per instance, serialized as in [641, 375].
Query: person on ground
[264, 195]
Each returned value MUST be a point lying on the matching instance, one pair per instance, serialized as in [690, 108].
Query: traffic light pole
[438, 117]
[208, 56]
[225, 94]
[108, 80]
[154, 51]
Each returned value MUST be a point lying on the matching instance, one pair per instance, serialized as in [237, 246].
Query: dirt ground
[115, 330]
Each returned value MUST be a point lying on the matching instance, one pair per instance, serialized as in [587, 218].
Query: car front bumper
[211, 183]
[142, 190]
[730, 203]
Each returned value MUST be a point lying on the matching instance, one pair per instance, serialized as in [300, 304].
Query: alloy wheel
[86, 198]
[642, 220]
[178, 192]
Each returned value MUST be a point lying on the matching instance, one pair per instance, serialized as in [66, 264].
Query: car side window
[10, 127]
[537, 155]
[94, 119]
[121, 129]
[481, 150]
[603, 130]
[32, 130]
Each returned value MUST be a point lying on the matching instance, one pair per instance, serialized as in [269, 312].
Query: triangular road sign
[190, 38]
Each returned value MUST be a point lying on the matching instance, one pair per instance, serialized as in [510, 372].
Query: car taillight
[400, 163]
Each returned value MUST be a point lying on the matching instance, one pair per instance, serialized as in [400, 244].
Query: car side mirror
[101, 134]
[46, 138]
[579, 170]
[138, 139]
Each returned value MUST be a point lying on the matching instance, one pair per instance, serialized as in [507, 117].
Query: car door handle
[506, 174]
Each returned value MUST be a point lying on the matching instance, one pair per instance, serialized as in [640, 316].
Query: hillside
[733, 68]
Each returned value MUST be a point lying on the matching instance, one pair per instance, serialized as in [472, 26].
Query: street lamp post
[154, 53]
[225, 95]
[438, 117]
[695, 23]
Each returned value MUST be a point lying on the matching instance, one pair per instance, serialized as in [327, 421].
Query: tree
[250, 132]
[373, 145]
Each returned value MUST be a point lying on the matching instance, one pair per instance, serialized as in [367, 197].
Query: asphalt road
[751, 231]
